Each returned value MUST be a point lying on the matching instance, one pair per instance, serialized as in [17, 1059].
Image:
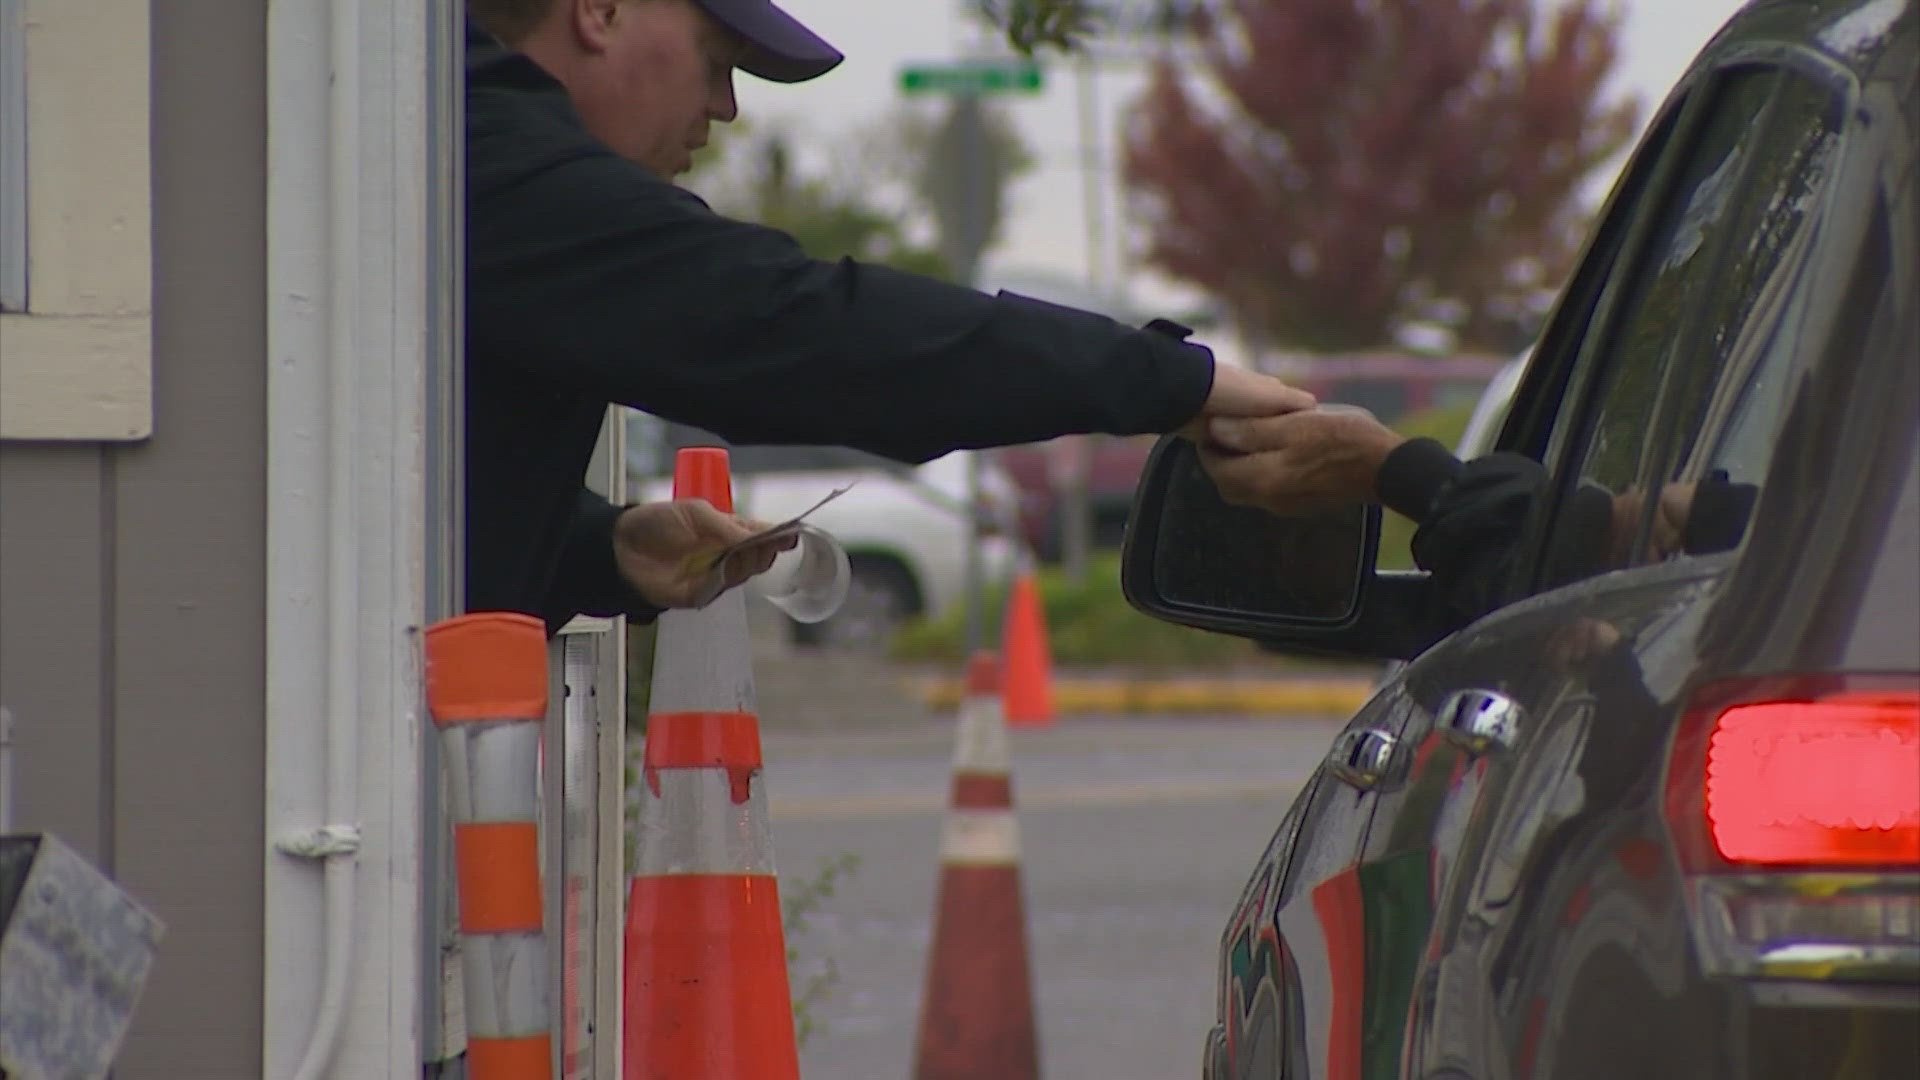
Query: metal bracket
[323, 842]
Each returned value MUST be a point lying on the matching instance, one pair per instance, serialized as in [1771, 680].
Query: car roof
[1850, 31]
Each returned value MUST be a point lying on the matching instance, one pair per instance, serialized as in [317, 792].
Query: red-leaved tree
[1335, 169]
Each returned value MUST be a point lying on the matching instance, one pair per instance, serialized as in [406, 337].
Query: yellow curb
[1165, 696]
[1093, 793]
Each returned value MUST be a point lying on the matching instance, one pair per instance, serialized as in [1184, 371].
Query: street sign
[1011, 76]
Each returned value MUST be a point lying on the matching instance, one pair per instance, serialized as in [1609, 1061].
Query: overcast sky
[1047, 227]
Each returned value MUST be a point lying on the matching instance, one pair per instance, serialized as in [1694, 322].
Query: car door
[1287, 949]
[1356, 921]
[1531, 738]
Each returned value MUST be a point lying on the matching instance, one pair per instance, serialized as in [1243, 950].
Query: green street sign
[972, 77]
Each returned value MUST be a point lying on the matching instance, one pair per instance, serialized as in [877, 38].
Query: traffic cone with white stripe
[706, 962]
[977, 1020]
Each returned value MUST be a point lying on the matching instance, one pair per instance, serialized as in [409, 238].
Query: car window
[1747, 307]
[1537, 406]
[1658, 316]
[1743, 448]
[1779, 310]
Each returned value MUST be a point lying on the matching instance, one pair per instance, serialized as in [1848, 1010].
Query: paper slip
[787, 528]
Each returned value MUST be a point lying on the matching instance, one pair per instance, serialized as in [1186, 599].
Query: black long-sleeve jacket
[590, 280]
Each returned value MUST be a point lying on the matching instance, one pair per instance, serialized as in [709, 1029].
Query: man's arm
[596, 276]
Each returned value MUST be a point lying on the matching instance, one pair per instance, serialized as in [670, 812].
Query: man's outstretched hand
[1239, 392]
[1299, 463]
[665, 550]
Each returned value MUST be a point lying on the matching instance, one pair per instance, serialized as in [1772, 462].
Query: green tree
[750, 174]
[880, 201]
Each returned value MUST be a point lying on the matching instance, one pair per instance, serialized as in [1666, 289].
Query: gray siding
[132, 578]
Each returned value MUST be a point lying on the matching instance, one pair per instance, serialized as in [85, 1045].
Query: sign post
[965, 81]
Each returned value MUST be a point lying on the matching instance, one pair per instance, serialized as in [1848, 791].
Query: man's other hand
[1299, 463]
[1666, 536]
[666, 551]
[1239, 392]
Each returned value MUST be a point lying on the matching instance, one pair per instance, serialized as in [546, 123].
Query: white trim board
[348, 336]
[78, 364]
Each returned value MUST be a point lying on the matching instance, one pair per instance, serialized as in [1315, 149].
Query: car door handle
[1363, 757]
[1481, 721]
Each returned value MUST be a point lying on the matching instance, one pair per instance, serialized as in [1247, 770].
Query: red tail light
[1783, 775]
[1794, 806]
[1833, 782]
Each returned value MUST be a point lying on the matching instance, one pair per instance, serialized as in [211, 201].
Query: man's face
[663, 74]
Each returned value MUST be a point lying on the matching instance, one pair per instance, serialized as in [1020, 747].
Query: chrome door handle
[1362, 758]
[1479, 721]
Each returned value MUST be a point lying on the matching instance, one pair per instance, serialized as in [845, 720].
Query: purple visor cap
[779, 49]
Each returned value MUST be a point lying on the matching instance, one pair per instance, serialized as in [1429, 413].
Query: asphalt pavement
[1137, 834]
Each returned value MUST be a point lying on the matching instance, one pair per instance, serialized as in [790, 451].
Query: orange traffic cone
[1029, 678]
[977, 1022]
[706, 964]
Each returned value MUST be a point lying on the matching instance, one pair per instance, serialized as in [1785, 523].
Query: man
[1472, 514]
[591, 279]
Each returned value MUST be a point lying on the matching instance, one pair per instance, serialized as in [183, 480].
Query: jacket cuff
[1188, 373]
[590, 582]
[1413, 475]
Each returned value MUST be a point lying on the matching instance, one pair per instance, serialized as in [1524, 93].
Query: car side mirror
[1298, 584]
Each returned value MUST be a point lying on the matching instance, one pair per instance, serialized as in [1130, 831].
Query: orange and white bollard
[706, 959]
[977, 1019]
[487, 691]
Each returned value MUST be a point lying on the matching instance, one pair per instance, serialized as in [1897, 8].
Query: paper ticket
[771, 533]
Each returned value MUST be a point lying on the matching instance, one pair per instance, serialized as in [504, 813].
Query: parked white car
[904, 527]
[1490, 412]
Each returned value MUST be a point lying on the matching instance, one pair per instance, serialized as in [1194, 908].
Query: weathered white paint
[348, 325]
[79, 363]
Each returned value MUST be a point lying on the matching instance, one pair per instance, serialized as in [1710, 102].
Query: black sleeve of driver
[1470, 537]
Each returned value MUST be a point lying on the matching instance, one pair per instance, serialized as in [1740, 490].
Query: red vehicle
[1392, 386]
[1114, 471]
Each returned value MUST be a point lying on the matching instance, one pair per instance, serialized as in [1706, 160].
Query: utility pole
[1073, 456]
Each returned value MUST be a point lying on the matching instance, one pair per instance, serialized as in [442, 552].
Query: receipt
[773, 533]
[817, 580]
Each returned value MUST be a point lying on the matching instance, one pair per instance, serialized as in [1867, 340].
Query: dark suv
[1659, 819]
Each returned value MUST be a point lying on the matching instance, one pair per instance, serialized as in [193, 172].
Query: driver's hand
[1668, 532]
[1300, 463]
